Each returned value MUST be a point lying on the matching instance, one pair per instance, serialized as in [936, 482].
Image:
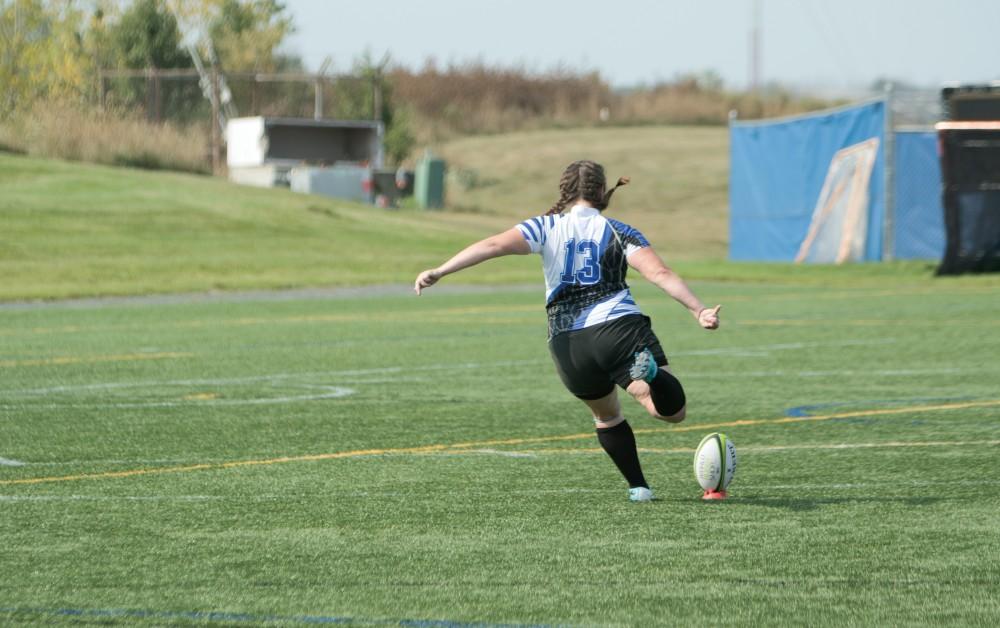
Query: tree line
[54, 49]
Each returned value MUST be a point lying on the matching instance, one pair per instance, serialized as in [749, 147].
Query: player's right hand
[426, 279]
[709, 317]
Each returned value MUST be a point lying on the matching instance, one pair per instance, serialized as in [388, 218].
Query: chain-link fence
[912, 107]
[187, 97]
[915, 215]
[182, 96]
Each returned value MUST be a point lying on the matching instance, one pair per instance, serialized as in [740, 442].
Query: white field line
[534, 453]
[884, 490]
[833, 373]
[882, 487]
[498, 452]
[763, 350]
[341, 392]
[328, 392]
[755, 350]
[75, 463]
[7, 462]
[270, 378]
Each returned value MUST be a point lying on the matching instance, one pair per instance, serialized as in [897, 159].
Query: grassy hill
[678, 196]
[72, 229]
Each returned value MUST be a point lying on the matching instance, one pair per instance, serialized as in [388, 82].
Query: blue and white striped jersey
[584, 260]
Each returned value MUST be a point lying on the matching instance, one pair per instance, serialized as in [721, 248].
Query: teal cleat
[644, 367]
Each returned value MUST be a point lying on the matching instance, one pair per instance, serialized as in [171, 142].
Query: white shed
[262, 151]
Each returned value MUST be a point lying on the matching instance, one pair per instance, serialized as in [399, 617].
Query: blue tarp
[777, 169]
[918, 221]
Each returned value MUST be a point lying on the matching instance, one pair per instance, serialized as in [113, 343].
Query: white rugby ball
[715, 462]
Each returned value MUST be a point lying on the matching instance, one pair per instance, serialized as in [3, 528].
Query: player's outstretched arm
[649, 264]
[509, 242]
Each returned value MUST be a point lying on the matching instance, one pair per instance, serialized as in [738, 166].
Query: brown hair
[584, 180]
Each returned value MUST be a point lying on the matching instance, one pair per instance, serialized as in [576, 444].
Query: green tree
[376, 96]
[248, 34]
[41, 53]
[147, 36]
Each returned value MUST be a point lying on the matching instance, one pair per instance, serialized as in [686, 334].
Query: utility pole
[755, 49]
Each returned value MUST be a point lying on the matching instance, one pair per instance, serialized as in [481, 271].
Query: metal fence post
[377, 97]
[889, 179]
[216, 126]
[318, 103]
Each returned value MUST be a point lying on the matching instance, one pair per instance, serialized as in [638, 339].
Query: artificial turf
[402, 460]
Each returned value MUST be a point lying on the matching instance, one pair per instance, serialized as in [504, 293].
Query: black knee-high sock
[619, 442]
[667, 393]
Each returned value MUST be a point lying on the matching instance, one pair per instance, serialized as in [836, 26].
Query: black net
[970, 168]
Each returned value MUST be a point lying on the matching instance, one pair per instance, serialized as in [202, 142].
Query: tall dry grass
[474, 98]
[120, 139]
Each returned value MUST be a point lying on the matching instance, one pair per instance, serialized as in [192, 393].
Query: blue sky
[840, 44]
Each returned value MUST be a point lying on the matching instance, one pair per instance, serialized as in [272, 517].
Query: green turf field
[415, 461]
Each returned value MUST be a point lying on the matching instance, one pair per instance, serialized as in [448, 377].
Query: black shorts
[590, 361]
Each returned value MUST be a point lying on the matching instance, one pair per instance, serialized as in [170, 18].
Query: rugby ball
[715, 462]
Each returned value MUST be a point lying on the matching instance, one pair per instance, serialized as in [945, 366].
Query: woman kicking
[598, 337]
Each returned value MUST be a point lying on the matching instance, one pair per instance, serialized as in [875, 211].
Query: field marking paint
[497, 452]
[247, 321]
[755, 351]
[763, 350]
[487, 444]
[7, 462]
[226, 465]
[739, 423]
[228, 617]
[103, 498]
[341, 392]
[274, 377]
[94, 359]
[806, 409]
[867, 485]
[777, 448]
[862, 322]
[846, 295]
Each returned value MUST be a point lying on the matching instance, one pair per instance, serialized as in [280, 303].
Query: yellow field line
[512, 441]
[226, 465]
[774, 448]
[93, 359]
[738, 423]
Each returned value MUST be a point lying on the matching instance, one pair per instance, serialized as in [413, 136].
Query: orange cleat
[711, 495]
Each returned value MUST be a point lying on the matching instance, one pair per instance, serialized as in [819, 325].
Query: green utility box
[428, 186]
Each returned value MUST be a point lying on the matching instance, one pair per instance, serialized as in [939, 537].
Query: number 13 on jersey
[583, 263]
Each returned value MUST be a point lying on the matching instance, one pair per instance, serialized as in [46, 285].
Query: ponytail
[607, 195]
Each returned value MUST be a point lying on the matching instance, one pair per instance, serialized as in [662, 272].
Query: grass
[79, 230]
[678, 196]
[75, 229]
[84, 230]
[393, 459]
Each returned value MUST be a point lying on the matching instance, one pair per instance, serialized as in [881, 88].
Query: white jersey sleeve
[535, 232]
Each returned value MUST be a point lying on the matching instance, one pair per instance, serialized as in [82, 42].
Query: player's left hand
[426, 279]
[709, 317]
